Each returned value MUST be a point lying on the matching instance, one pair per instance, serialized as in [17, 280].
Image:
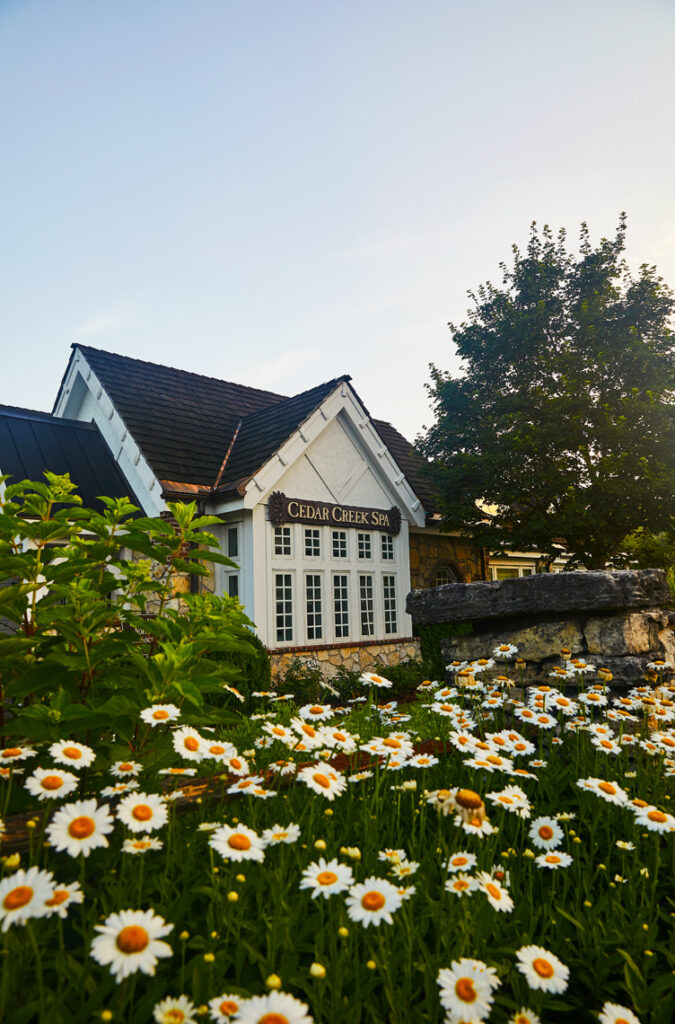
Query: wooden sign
[284, 510]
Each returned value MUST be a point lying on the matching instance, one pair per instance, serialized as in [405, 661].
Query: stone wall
[618, 620]
[355, 657]
[430, 552]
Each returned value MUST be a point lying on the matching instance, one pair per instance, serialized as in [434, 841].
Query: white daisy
[497, 895]
[188, 743]
[273, 1008]
[325, 878]
[323, 780]
[110, 792]
[51, 783]
[370, 679]
[553, 860]
[160, 714]
[373, 901]
[466, 989]
[316, 712]
[613, 1013]
[281, 834]
[224, 1007]
[12, 755]
[524, 1016]
[130, 941]
[237, 765]
[62, 897]
[125, 769]
[655, 820]
[80, 827]
[238, 843]
[216, 750]
[462, 861]
[142, 812]
[24, 895]
[542, 970]
[546, 833]
[138, 846]
[78, 755]
[175, 1010]
[461, 884]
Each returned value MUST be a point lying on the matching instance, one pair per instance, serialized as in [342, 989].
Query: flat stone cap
[540, 594]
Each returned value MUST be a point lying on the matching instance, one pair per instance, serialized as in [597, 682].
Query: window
[232, 542]
[387, 547]
[445, 574]
[364, 548]
[504, 573]
[312, 543]
[282, 540]
[341, 606]
[313, 606]
[233, 585]
[389, 600]
[367, 606]
[339, 543]
[283, 592]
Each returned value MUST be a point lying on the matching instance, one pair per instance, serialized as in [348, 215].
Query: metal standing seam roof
[32, 442]
[195, 430]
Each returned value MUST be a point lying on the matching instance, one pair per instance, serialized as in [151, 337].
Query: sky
[278, 192]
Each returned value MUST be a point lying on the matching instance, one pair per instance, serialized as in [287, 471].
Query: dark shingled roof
[196, 430]
[32, 442]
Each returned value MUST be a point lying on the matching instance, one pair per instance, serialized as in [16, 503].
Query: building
[323, 508]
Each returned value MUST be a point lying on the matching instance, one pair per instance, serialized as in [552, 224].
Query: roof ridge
[176, 369]
[19, 412]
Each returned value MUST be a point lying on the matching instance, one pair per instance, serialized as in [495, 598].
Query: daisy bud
[317, 971]
[320, 844]
[209, 958]
[31, 824]
[371, 965]
[528, 853]
[274, 981]
[328, 812]
[576, 839]
[343, 932]
[240, 878]
[184, 936]
[106, 1015]
[202, 1010]
[646, 927]
[233, 896]
[587, 903]
[602, 867]
[12, 861]
[215, 869]
[648, 952]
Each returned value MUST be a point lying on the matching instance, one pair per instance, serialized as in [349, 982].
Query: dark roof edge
[16, 412]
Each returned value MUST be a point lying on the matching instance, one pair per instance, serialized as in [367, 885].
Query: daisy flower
[497, 895]
[178, 1010]
[323, 780]
[10, 755]
[142, 812]
[224, 1007]
[360, 776]
[281, 834]
[235, 692]
[130, 941]
[404, 868]
[475, 827]
[389, 746]
[338, 739]
[546, 833]
[62, 897]
[215, 750]
[188, 743]
[75, 754]
[373, 901]
[80, 827]
[512, 798]
[309, 735]
[25, 894]
[553, 860]
[51, 783]
[605, 746]
[125, 769]
[609, 791]
[466, 989]
[137, 846]
[505, 652]
[325, 878]
[613, 1013]
[237, 765]
[160, 714]
[393, 856]
[237, 844]
[542, 970]
[280, 732]
[422, 761]
[245, 784]
[119, 788]
[461, 884]
[273, 1008]
[369, 679]
[524, 1016]
[462, 861]
[655, 820]
[316, 712]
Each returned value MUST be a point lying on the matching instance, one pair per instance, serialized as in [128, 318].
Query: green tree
[559, 433]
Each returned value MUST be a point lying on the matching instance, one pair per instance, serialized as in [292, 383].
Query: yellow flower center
[191, 744]
[235, 763]
[142, 812]
[18, 897]
[216, 749]
[309, 730]
[467, 798]
[459, 861]
[74, 753]
[373, 900]
[160, 715]
[391, 743]
[326, 878]
[132, 939]
[60, 896]
[657, 816]
[228, 1007]
[82, 828]
[465, 991]
[316, 709]
[552, 858]
[493, 891]
[126, 766]
[238, 841]
[12, 752]
[546, 832]
[321, 780]
[274, 1018]
[543, 968]
[52, 782]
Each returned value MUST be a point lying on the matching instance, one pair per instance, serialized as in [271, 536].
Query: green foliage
[304, 679]
[560, 433]
[91, 626]
[431, 637]
[252, 663]
[405, 677]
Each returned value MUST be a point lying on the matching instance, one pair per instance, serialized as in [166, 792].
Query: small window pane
[282, 540]
[339, 543]
[367, 605]
[283, 592]
[341, 606]
[232, 542]
[313, 606]
[387, 547]
[505, 573]
[389, 599]
[364, 547]
[312, 543]
[233, 586]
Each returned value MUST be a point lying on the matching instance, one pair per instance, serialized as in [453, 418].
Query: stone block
[631, 633]
[535, 643]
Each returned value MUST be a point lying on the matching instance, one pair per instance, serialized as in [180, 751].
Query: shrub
[431, 637]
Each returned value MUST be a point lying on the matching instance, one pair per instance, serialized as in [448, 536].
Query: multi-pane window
[389, 601]
[339, 543]
[363, 545]
[367, 605]
[282, 540]
[283, 594]
[233, 585]
[312, 543]
[341, 606]
[387, 547]
[232, 542]
[313, 606]
[445, 574]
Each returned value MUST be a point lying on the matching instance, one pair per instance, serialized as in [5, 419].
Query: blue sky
[281, 191]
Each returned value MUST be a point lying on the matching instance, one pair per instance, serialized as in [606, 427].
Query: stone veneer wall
[355, 657]
[430, 552]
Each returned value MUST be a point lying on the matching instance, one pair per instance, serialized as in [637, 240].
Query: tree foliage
[560, 431]
[93, 626]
